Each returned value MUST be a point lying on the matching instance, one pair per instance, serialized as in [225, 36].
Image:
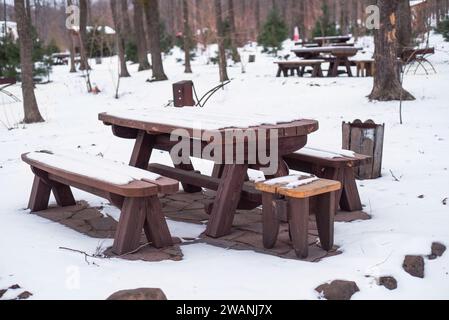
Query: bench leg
[63, 194]
[270, 221]
[348, 67]
[40, 195]
[325, 214]
[129, 229]
[298, 219]
[155, 226]
[285, 71]
[350, 198]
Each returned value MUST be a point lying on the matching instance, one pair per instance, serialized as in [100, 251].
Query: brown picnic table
[331, 39]
[153, 130]
[337, 56]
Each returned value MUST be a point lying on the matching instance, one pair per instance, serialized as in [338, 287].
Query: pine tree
[273, 33]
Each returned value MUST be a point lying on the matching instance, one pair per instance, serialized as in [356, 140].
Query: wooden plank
[346, 129]
[378, 151]
[143, 148]
[226, 201]
[133, 189]
[197, 179]
[350, 198]
[367, 147]
[270, 221]
[63, 194]
[155, 225]
[130, 226]
[325, 213]
[305, 191]
[309, 190]
[40, 195]
[298, 218]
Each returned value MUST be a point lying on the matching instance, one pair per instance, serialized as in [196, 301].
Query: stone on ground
[139, 294]
[388, 282]
[438, 250]
[338, 290]
[414, 265]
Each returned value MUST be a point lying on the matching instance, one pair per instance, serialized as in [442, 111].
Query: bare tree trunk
[231, 12]
[116, 16]
[126, 23]
[151, 8]
[142, 49]
[187, 36]
[387, 85]
[71, 46]
[30, 107]
[220, 37]
[404, 18]
[84, 65]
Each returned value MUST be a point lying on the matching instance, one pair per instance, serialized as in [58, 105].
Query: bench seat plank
[130, 188]
[326, 158]
[310, 188]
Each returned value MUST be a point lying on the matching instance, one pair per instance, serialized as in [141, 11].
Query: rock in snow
[139, 294]
[414, 265]
[388, 282]
[438, 250]
[338, 290]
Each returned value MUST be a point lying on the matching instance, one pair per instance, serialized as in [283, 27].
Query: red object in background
[183, 94]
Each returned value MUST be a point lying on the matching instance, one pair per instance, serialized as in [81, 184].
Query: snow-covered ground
[402, 222]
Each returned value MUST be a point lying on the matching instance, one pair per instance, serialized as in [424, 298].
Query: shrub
[274, 32]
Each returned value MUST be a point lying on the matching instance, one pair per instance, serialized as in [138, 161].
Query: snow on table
[328, 154]
[201, 118]
[93, 167]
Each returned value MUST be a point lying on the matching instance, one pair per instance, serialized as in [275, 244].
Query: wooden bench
[132, 190]
[296, 196]
[365, 68]
[334, 165]
[289, 67]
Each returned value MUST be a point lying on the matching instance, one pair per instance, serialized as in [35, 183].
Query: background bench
[132, 190]
[289, 67]
[337, 166]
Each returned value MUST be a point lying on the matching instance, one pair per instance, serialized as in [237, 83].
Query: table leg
[348, 67]
[188, 187]
[279, 72]
[143, 148]
[226, 200]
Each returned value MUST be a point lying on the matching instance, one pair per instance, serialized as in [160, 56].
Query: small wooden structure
[282, 197]
[137, 199]
[367, 139]
[183, 94]
[287, 68]
[365, 68]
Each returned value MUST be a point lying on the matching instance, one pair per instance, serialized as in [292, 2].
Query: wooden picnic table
[339, 56]
[331, 39]
[153, 130]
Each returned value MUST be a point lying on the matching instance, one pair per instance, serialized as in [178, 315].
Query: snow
[93, 167]
[329, 154]
[402, 223]
[185, 117]
[293, 181]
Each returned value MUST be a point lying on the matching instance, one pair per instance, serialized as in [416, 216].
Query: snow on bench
[293, 181]
[328, 154]
[93, 167]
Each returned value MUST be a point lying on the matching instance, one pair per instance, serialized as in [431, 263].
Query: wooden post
[365, 138]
